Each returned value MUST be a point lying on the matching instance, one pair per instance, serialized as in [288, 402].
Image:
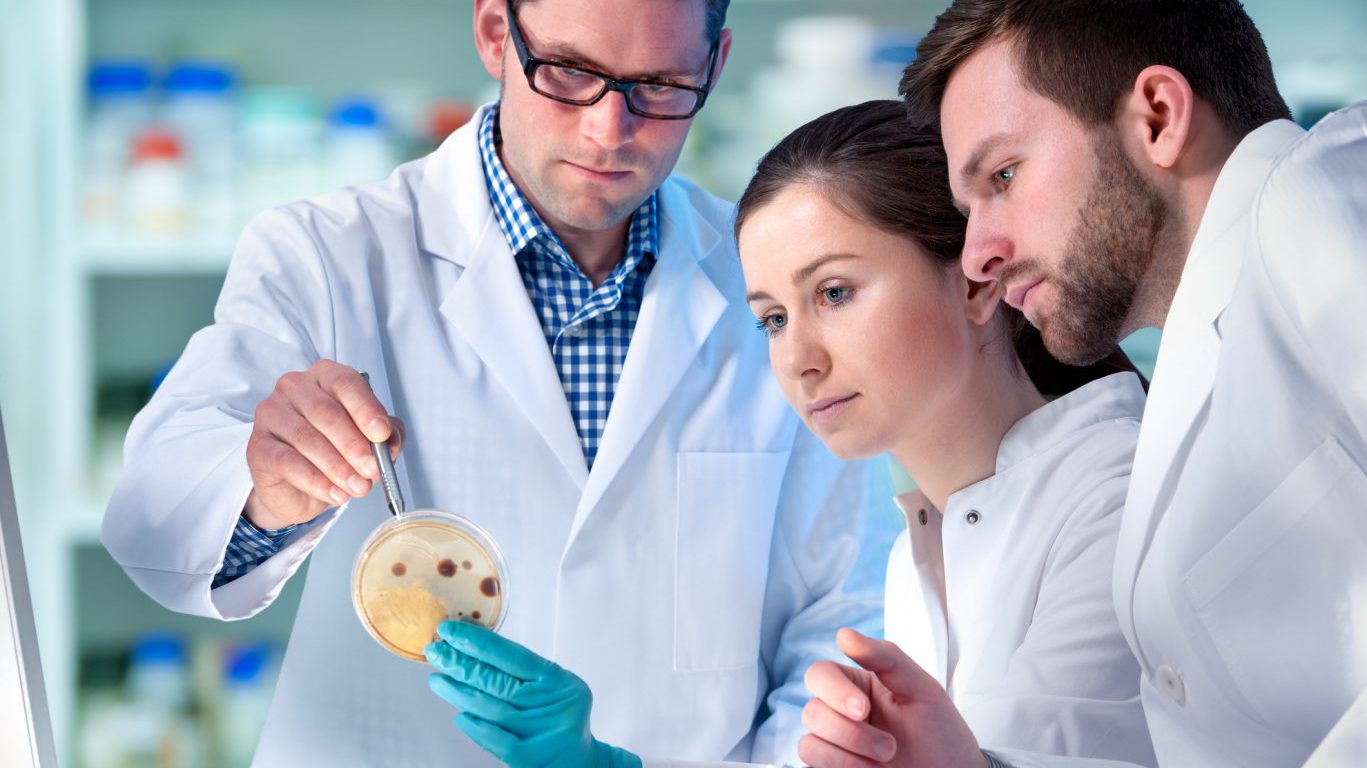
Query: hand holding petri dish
[421, 568]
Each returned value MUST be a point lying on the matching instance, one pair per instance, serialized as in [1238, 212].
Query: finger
[469, 699]
[895, 669]
[276, 458]
[490, 737]
[473, 672]
[299, 432]
[326, 415]
[346, 386]
[493, 649]
[834, 684]
[819, 753]
[853, 736]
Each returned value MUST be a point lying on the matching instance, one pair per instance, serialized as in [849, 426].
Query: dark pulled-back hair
[716, 15]
[876, 167]
[1085, 54]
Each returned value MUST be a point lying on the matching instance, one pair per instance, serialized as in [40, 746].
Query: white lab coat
[1007, 599]
[694, 572]
[1241, 573]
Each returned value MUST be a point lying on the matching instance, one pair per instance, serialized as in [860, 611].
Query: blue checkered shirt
[587, 328]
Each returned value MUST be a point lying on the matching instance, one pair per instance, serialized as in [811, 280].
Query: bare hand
[310, 445]
[886, 712]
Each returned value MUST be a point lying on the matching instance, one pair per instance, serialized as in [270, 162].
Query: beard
[1105, 258]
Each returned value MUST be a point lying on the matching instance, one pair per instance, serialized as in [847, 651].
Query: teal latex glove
[521, 708]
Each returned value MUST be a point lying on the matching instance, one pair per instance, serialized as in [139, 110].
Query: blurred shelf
[205, 255]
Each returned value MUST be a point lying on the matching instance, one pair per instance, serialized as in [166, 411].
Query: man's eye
[1005, 176]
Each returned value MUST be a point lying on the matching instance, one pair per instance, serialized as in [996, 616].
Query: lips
[826, 404]
[603, 174]
[1017, 294]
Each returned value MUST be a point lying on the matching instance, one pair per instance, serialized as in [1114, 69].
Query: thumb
[895, 670]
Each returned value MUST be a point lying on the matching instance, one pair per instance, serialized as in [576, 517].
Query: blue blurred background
[135, 138]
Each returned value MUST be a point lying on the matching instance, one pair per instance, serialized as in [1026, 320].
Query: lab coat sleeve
[1072, 687]
[835, 527]
[185, 478]
[1311, 220]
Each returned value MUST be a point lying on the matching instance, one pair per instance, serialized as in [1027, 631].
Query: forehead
[801, 224]
[987, 103]
[623, 35]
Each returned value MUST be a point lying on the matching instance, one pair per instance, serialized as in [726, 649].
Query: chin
[848, 446]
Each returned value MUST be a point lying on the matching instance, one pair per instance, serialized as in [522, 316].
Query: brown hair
[1085, 54]
[716, 16]
[878, 168]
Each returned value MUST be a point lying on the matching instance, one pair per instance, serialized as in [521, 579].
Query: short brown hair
[1085, 54]
[716, 16]
[875, 167]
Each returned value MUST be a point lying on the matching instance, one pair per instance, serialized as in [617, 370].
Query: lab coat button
[973, 517]
[921, 516]
[1170, 682]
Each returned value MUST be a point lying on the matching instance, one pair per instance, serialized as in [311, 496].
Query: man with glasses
[561, 325]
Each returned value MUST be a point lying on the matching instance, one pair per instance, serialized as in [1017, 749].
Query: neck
[596, 253]
[957, 446]
[1188, 190]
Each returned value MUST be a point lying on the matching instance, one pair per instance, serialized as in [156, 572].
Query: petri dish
[422, 568]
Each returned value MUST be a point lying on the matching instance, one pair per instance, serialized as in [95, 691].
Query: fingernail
[338, 496]
[884, 748]
[358, 485]
[855, 707]
[377, 430]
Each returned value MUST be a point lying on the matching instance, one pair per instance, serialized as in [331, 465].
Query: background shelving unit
[85, 320]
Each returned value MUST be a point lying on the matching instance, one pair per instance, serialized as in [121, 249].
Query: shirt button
[1170, 683]
[973, 517]
[575, 331]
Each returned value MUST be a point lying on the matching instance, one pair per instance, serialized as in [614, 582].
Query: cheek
[913, 354]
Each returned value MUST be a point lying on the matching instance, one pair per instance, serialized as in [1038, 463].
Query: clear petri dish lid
[422, 568]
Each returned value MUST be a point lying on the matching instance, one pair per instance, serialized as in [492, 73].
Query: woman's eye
[772, 324]
[835, 295]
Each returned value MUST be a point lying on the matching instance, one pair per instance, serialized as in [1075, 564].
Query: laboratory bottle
[358, 145]
[119, 105]
[199, 107]
[156, 194]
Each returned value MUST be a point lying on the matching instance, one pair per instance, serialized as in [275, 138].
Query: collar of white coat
[1209, 276]
[453, 205]
[1117, 396]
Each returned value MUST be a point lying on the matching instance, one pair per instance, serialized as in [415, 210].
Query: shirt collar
[1211, 270]
[521, 225]
[1117, 396]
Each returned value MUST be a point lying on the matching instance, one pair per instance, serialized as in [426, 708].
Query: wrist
[258, 515]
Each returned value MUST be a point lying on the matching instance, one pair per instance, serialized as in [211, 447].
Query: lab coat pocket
[1283, 596]
[727, 504]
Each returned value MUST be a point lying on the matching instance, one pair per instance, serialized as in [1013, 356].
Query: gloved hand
[521, 708]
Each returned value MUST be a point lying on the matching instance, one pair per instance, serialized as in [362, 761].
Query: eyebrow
[802, 274]
[565, 52]
[973, 167]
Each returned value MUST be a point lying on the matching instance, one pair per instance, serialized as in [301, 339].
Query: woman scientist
[1001, 586]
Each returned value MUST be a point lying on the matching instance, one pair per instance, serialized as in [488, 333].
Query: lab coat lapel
[680, 307]
[1189, 354]
[489, 306]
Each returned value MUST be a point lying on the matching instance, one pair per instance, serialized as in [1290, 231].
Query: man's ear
[1158, 114]
[491, 34]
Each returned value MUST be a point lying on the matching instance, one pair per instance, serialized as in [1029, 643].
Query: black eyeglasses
[571, 83]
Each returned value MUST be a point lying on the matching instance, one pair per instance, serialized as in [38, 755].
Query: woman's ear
[980, 299]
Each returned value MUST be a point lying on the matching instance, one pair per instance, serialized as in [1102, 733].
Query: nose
[987, 249]
[609, 123]
[799, 354]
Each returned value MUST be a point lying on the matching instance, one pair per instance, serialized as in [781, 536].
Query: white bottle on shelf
[199, 107]
[120, 105]
[156, 189]
[358, 147]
